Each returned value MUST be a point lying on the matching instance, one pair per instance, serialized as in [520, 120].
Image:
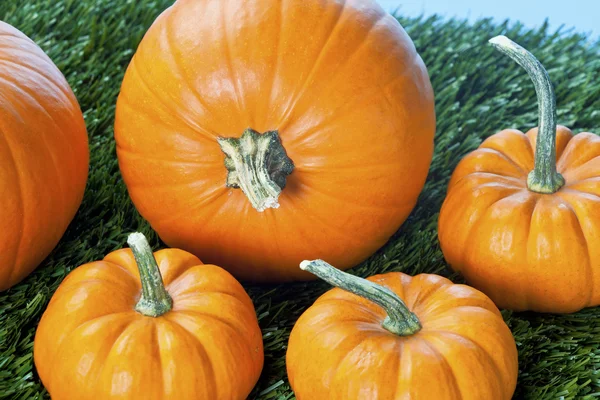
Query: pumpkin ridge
[526, 275]
[209, 134]
[341, 361]
[574, 171]
[357, 98]
[400, 373]
[278, 53]
[208, 367]
[129, 326]
[215, 195]
[158, 355]
[122, 268]
[28, 42]
[348, 201]
[205, 291]
[318, 168]
[535, 198]
[578, 192]
[517, 191]
[195, 181]
[351, 105]
[349, 58]
[506, 156]
[186, 296]
[422, 297]
[47, 79]
[240, 99]
[465, 307]
[469, 236]
[234, 329]
[395, 367]
[471, 186]
[356, 307]
[67, 341]
[310, 215]
[560, 148]
[19, 192]
[576, 142]
[191, 126]
[8, 34]
[85, 282]
[343, 233]
[153, 157]
[509, 142]
[123, 101]
[451, 374]
[518, 183]
[59, 179]
[284, 119]
[457, 337]
[374, 328]
[271, 223]
[372, 341]
[589, 269]
[473, 171]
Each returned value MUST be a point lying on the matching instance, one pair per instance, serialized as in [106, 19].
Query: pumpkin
[393, 336]
[43, 156]
[521, 225]
[257, 133]
[113, 330]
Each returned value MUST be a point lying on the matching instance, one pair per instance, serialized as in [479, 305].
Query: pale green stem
[399, 321]
[544, 178]
[155, 300]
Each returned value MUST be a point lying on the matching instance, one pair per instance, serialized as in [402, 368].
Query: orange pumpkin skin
[338, 349]
[526, 250]
[43, 155]
[342, 84]
[92, 344]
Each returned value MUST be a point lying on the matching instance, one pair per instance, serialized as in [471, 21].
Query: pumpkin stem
[544, 178]
[259, 165]
[155, 300]
[400, 320]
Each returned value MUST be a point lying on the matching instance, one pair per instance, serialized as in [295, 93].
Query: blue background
[583, 15]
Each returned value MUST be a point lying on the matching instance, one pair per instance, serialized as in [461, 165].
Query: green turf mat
[478, 92]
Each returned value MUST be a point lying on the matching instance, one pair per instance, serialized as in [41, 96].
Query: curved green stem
[155, 300]
[544, 178]
[400, 320]
[258, 164]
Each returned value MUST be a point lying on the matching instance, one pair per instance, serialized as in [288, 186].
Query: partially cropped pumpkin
[394, 336]
[256, 133]
[43, 155]
[521, 225]
[107, 335]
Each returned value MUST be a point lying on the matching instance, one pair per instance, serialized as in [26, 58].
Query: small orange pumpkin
[43, 155]
[104, 336]
[524, 226]
[341, 118]
[394, 336]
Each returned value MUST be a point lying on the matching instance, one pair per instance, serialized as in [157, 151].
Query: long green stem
[155, 300]
[400, 320]
[544, 178]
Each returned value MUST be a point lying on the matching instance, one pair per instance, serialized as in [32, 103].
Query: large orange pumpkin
[43, 155]
[394, 336]
[337, 116]
[107, 335]
[521, 225]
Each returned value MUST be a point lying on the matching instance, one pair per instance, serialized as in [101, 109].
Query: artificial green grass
[478, 92]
